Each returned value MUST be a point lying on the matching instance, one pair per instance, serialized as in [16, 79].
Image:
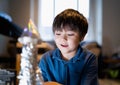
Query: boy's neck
[68, 56]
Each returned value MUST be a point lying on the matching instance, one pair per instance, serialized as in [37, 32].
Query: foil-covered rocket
[29, 74]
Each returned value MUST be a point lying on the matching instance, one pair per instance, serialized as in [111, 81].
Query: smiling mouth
[64, 45]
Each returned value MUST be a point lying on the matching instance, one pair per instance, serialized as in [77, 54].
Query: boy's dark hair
[72, 18]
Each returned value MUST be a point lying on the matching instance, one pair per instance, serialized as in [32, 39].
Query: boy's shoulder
[88, 54]
[49, 53]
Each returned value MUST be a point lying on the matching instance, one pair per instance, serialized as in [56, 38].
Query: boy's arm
[43, 69]
[90, 74]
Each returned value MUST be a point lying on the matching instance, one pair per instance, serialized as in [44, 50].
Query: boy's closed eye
[57, 34]
[71, 34]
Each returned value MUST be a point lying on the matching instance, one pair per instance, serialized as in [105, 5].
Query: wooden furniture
[110, 60]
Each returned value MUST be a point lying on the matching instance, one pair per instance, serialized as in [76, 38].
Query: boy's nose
[64, 37]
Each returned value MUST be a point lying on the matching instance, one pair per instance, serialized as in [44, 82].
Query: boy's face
[67, 41]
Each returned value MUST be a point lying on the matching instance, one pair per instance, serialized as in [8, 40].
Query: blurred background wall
[19, 10]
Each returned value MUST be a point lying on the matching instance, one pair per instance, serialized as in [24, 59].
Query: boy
[69, 64]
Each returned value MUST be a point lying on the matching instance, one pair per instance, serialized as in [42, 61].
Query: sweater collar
[79, 55]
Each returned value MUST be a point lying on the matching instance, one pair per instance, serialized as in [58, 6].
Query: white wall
[20, 12]
[111, 26]
[4, 4]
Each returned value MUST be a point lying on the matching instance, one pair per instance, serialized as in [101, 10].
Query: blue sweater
[80, 70]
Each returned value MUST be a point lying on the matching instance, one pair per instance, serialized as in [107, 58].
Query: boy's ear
[82, 38]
